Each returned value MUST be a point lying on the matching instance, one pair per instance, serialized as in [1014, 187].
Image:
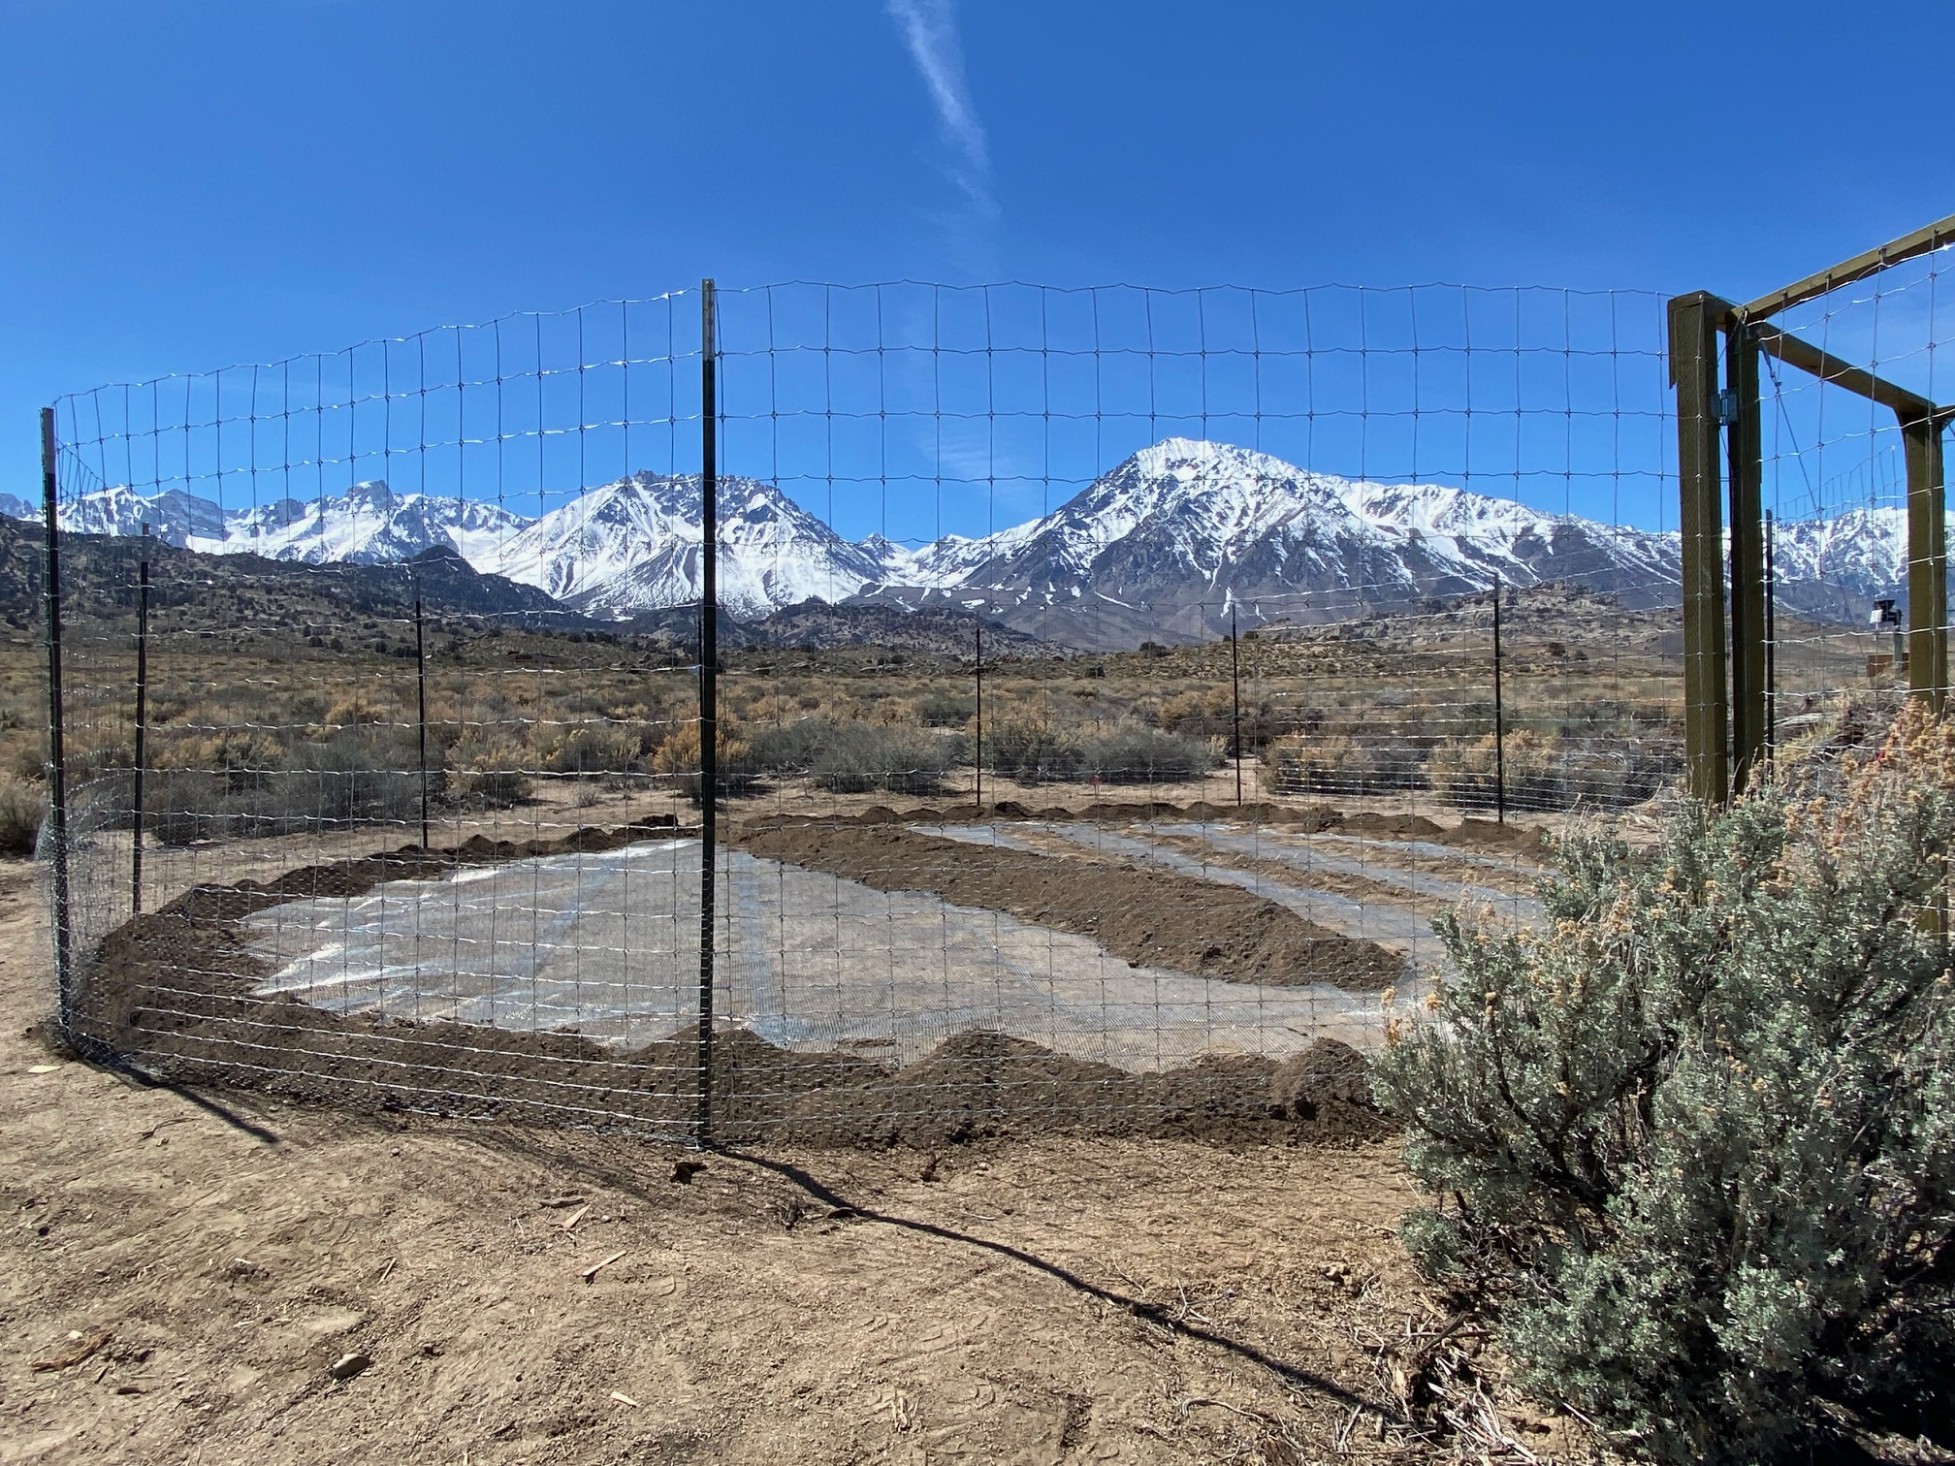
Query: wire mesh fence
[1105, 690]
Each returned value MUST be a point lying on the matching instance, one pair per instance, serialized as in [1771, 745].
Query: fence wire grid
[1104, 689]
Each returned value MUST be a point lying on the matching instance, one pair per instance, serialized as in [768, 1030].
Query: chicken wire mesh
[1111, 685]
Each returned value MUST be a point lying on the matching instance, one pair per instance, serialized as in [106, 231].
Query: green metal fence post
[1744, 453]
[1927, 561]
[1693, 371]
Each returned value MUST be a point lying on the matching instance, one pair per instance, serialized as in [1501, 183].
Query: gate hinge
[1727, 408]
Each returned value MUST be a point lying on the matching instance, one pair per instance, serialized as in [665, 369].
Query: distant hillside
[937, 631]
[99, 576]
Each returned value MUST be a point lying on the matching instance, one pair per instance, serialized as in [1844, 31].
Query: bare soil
[181, 1271]
[175, 990]
[1147, 916]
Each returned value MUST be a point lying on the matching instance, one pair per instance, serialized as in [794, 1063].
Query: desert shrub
[1337, 764]
[1200, 713]
[497, 788]
[181, 806]
[28, 760]
[678, 759]
[1030, 750]
[1697, 1133]
[793, 747]
[356, 710]
[21, 808]
[1464, 771]
[1547, 772]
[859, 758]
[1145, 756]
[944, 709]
[358, 774]
[592, 749]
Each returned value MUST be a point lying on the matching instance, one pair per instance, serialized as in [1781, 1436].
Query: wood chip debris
[590, 1273]
[570, 1222]
[80, 1349]
[623, 1399]
[558, 1203]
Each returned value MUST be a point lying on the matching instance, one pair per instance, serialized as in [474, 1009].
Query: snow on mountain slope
[1183, 530]
[368, 525]
[633, 545]
[173, 516]
[1165, 542]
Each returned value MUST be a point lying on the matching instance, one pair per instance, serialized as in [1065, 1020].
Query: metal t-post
[1499, 717]
[977, 756]
[709, 651]
[1235, 698]
[421, 685]
[142, 728]
[57, 754]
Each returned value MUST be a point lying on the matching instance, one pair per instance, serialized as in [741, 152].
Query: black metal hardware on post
[1499, 716]
[421, 683]
[142, 728]
[708, 693]
[1235, 699]
[57, 768]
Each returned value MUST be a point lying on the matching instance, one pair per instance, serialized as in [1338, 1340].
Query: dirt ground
[183, 1271]
[1143, 915]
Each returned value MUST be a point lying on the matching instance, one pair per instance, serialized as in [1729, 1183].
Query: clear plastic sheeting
[606, 946]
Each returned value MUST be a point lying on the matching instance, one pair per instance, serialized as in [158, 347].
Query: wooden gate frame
[1725, 732]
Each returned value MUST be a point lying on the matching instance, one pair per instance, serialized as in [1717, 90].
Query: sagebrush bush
[1030, 750]
[1145, 756]
[861, 757]
[497, 788]
[234, 788]
[850, 757]
[593, 749]
[1696, 1135]
[1545, 771]
[1465, 771]
[21, 807]
[944, 709]
[1337, 764]
[678, 759]
[793, 747]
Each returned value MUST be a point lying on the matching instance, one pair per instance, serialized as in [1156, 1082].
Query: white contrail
[930, 31]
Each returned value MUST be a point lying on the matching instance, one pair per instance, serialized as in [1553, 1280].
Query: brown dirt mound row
[179, 1001]
[1310, 818]
[1154, 917]
[172, 991]
[1489, 835]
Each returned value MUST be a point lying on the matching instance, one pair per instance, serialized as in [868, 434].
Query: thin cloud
[930, 31]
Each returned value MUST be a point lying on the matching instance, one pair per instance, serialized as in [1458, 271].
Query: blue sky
[207, 183]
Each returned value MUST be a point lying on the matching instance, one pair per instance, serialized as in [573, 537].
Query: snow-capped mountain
[1173, 537]
[633, 545]
[370, 524]
[1164, 544]
[173, 516]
